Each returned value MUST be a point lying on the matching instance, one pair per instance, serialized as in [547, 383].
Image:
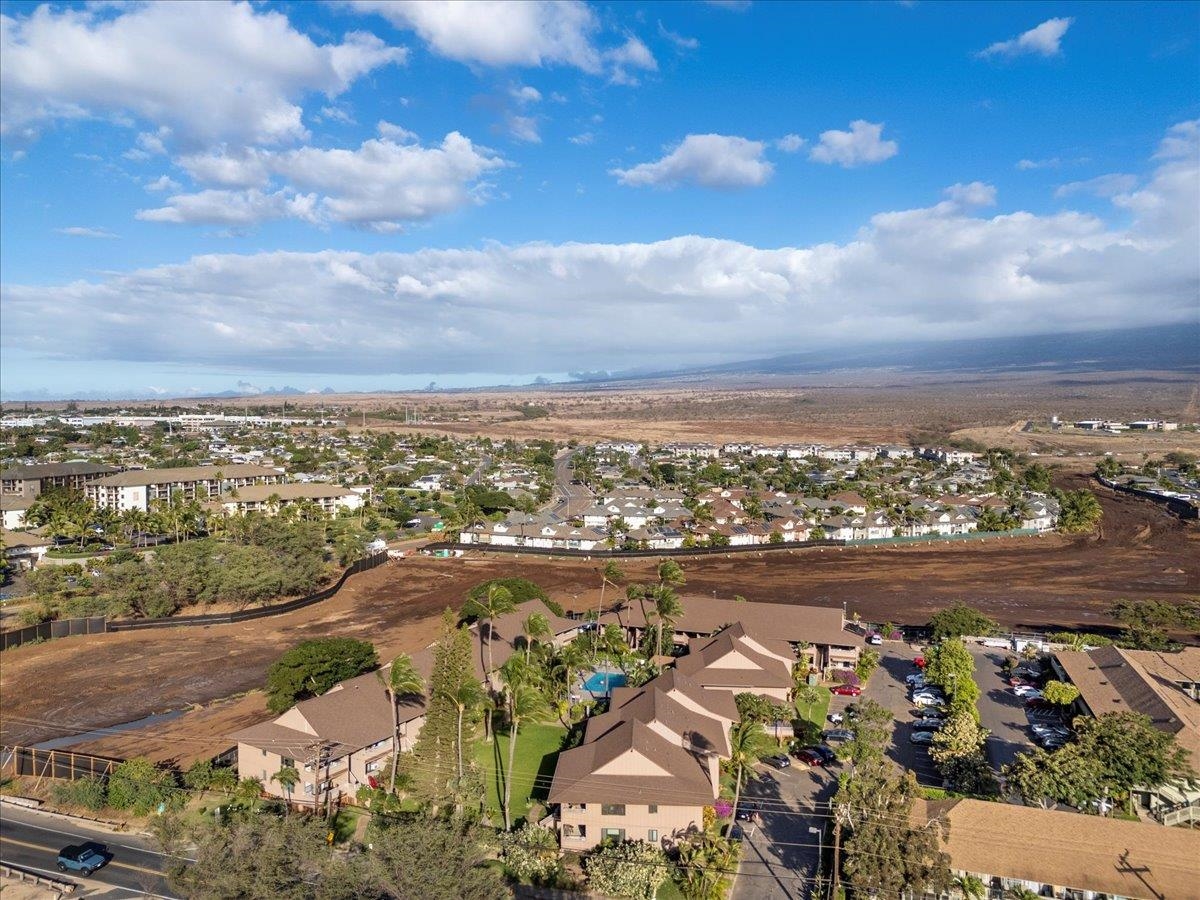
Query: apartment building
[1163, 686]
[338, 742]
[29, 481]
[140, 489]
[1064, 854]
[269, 499]
[819, 634]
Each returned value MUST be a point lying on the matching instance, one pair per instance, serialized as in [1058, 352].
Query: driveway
[780, 854]
[1000, 711]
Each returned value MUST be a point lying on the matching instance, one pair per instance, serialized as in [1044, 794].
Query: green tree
[1044, 779]
[287, 778]
[522, 701]
[496, 602]
[748, 743]
[536, 627]
[627, 869]
[141, 787]
[667, 610]
[1130, 751]
[1060, 693]
[887, 853]
[970, 887]
[438, 859]
[960, 619]
[960, 736]
[466, 697]
[706, 861]
[437, 749]
[868, 662]
[1079, 511]
[870, 732]
[404, 683]
[530, 854]
[1108, 467]
[1148, 623]
[313, 667]
[949, 665]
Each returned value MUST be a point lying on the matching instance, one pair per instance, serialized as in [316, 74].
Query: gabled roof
[596, 772]
[142, 477]
[651, 705]
[734, 659]
[784, 621]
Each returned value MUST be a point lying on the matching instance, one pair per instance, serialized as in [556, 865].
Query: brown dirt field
[75, 684]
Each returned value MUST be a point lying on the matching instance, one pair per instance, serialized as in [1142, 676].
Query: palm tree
[249, 791]
[287, 777]
[971, 887]
[491, 606]
[808, 696]
[1020, 893]
[611, 574]
[569, 660]
[667, 610]
[536, 627]
[403, 681]
[467, 695]
[748, 743]
[523, 701]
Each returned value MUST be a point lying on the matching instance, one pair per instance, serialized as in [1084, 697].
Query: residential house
[13, 507]
[737, 661]
[141, 488]
[23, 549]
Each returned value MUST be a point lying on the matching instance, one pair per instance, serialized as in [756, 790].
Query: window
[617, 834]
[288, 763]
[264, 753]
[652, 835]
[612, 809]
[373, 766]
[652, 808]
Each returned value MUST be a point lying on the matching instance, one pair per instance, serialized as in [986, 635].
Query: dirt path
[71, 685]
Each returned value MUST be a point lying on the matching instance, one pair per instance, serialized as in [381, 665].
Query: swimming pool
[603, 682]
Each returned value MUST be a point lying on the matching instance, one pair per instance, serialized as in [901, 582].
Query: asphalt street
[570, 499]
[32, 841]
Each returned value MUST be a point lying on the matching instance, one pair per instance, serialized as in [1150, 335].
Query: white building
[270, 498]
[140, 489]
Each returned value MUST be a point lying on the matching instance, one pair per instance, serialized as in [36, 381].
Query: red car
[919, 662]
[811, 758]
[846, 690]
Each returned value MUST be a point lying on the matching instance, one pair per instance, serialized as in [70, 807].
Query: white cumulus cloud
[84, 231]
[225, 71]
[863, 144]
[1101, 186]
[381, 184]
[790, 143]
[1044, 40]
[708, 160]
[977, 193]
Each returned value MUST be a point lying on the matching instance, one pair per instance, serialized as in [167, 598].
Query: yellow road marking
[26, 844]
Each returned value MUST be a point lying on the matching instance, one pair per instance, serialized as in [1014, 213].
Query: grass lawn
[533, 766]
[817, 712]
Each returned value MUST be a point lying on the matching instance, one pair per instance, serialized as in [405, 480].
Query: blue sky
[371, 195]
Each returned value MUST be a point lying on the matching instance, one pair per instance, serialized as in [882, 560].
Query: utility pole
[834, 873]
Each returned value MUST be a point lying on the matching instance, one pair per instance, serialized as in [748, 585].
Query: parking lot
[1000, 711]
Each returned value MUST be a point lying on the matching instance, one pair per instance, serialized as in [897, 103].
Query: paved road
[474, 477]
[781, 852]
[32, 840]
[887, 687]
[570, 499]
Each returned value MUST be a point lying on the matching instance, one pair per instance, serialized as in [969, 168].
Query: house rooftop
[55, 470]
[1067, 849]
[142, 477]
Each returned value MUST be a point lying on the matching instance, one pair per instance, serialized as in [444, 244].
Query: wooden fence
[63, 764]
[100, 625]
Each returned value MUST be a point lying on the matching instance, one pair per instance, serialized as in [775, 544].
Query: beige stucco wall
[670, 823]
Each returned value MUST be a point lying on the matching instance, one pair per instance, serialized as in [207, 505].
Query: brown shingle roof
[686, 782]
[260, 493]
[1072, 850]
[784, 621]
[761, 671]
[653, 705]
[55, 470]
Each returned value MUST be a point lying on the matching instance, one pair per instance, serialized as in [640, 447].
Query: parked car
[836, 718]
[838, 734]
[874, 640]
[921, 737]
[929, 693]
[1025, 690]
[915, 680]
[746, 810]
[846, 690]
[929, 702]
[82, 858]
[919, 662]
[826, 753]
[810, 757]
[1038, 703]
[1017, 681]
[779, 762]
[930, 719]
[927, 725]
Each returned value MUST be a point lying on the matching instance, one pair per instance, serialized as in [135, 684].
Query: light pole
[819, 831]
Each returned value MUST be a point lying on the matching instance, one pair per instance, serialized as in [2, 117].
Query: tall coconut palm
[536, 627]
[403, 682]
[287, 778]
[523, 701]
[496, 602]
[667, 610]
[611, 574]
[748, 743]
[569, 659]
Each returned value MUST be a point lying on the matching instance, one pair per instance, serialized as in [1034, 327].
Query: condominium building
[140, 489]
[269, 499]
[29, 481]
